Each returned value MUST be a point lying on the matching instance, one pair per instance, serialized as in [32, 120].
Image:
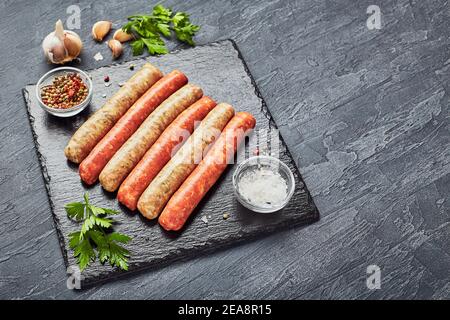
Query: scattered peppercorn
[132, 67]
[66, 91]
[106, 79]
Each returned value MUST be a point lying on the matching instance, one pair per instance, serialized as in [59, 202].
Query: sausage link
[173, 174]
[194, 188]
[161, 151]
[95, 128]
[127, 157]
[91, 166]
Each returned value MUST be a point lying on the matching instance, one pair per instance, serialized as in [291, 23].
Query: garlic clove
[100, 29]
[57, 53]
[122, 36]
[59, 30]
[116, 48]
[73, 44]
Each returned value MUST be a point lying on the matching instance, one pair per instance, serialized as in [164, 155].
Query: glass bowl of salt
[263, 184]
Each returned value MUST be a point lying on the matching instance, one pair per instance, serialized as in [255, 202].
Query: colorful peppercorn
[66, 91]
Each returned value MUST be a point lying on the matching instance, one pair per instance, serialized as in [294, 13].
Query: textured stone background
[365, 113]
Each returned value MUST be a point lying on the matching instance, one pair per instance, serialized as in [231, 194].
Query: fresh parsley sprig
[148, 30]
[94, 239]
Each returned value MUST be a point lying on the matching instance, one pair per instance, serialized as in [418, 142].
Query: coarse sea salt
[263, 187]
[98, 56]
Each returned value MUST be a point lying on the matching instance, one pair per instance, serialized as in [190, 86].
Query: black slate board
[222, 73]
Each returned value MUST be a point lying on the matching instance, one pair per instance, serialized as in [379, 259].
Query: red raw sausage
[132, 151]
[97, 159]
[193, 189]
[180, 166]
[161, 151]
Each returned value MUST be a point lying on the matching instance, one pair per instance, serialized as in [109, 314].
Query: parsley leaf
[155, 45]
[75, 210]
[137, 47]
[86, 198]
[161, 17]
[98, 211]
[118, 256]
[183, 28]
[83, 251]
[162, 12]
[164, 28]
[93, 239]
[102, 222]
[87, 225]
[148, 30]
[118, 237]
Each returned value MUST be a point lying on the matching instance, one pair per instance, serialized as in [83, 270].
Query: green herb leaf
[93, 240]
[155, 45]
[161, 17]
[98, 237]
[148, 29]
[137, 47]
[118, 237]
[127, 27]
[101, 242]
[86, 198]
[183, 28]
[103, 253]
[84, 253]
[74, 239]
[161, 12]
[75, 210]
[164, 29]
[145, 29]
[118, 256]
[87, 225]
[110, 211]
[99, 211]
[101, 222]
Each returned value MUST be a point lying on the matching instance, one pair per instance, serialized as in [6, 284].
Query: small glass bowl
[271, 163]
[47, 79]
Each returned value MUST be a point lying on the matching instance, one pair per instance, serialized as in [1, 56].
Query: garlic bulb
[100, 29]
[61, 45]
[122, 36]
[116, 48]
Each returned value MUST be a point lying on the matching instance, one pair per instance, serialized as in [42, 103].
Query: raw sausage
[161, 151]
[95, 128]
[91, 166]
[194, 188]
[174, 173]
[127, 157]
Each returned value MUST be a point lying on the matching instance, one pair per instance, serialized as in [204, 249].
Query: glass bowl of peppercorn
[64, 91]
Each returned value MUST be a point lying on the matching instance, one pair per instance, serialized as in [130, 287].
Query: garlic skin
[100, 29]
[116, 48]
[122, 36]
[61, 46]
